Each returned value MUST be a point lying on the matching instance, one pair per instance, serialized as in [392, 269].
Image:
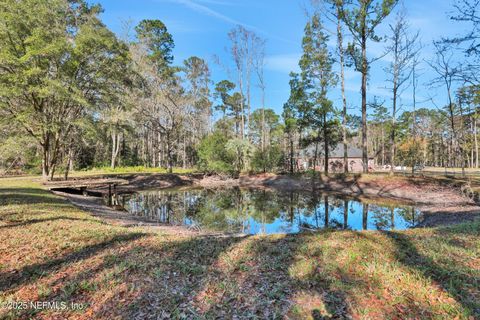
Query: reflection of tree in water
[290, 205]
[320, 208]
[365, 216]
[338, 213]
[326, 211]
[222, 210]
[312, 208]
[161, 206]
[264, 208]
[410, 215]
[383, 217]
[345, 214]
[240, 210]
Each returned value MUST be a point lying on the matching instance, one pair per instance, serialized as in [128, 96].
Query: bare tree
[248, 38]
[403, 48]
[447, 72]
[244, 47]
[238, 55]
[259, 65]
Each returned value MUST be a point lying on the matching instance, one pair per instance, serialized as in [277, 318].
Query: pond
[251, 211]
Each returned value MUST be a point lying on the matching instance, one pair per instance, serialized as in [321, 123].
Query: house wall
[336, 164]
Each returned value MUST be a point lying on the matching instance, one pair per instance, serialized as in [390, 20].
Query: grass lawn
[51, 251]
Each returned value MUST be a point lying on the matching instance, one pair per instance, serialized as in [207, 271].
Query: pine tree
[317, 77]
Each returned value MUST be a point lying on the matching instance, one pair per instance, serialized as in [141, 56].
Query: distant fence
[431, 171]
[444, 173]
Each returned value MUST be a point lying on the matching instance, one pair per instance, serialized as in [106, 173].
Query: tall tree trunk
[46, 156]
[470, 158]
[364, 101]
[160, 163]
[69, 163]
[475, 138]
[392, 135]
[342, 80]
[242, 104]
[169, 154]
[383, 145]
[291, 154]
[115, 147]
[263, 139]
[455, 141]
[52, 171]
[414, 123]
[45, 162]
[325, 141]
[184, 153]
[249, 108]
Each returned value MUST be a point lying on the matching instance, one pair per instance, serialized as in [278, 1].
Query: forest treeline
[75, 95]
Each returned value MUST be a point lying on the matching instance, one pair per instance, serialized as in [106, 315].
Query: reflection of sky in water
[265, 212]
[355, 220]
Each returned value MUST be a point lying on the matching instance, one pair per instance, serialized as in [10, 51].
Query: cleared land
[53, 251]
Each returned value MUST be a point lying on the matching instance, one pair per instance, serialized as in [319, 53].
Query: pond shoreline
[441, 203]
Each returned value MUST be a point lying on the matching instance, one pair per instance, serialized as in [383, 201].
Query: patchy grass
[51, 251]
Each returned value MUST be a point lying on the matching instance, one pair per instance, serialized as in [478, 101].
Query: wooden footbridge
[103, 186]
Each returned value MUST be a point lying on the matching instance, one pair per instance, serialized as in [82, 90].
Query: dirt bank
[440, 201]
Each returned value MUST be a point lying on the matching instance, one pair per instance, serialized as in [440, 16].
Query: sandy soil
[441, 203]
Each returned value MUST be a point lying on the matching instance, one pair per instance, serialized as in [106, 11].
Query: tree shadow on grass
[291, 282]
[163, 279]
[30, 273]
[170, 274]
[147, 278]
[254, 277]
[264, 283]
[22, 223]
[22, 196]
[451, 279]
[156, 278]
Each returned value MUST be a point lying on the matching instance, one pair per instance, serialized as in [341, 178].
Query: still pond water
[237, 210]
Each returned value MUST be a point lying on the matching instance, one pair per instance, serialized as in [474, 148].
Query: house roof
[337, 152]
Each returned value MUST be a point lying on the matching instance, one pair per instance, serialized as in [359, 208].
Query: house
[335, 159]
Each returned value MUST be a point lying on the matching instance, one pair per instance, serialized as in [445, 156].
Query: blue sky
[200, 27]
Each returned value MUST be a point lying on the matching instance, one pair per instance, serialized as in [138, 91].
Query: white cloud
[196, 5]
[200, 8]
